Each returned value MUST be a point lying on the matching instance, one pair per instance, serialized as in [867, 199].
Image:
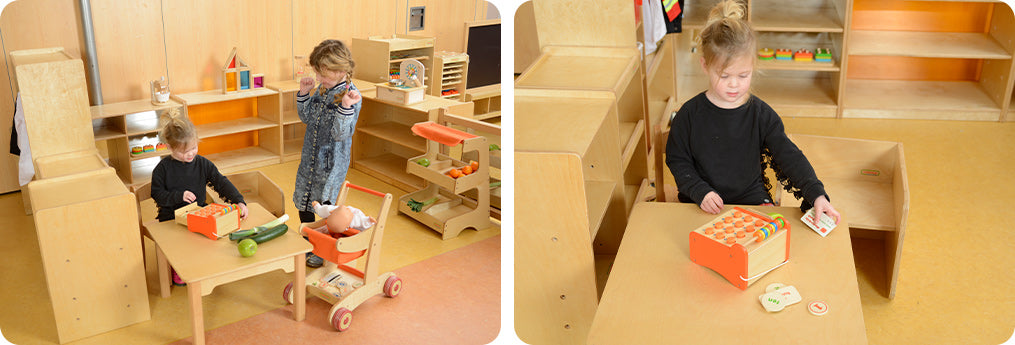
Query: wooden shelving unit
[486, 100]
[383, 140]
[449, 75]
[377, 56]
[261, 128]
[984, 93]
[119, 124]
[803, 89]
[619, 73]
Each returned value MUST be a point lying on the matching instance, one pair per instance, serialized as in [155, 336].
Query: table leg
[299, 287]
[196, 314]
[162, 270]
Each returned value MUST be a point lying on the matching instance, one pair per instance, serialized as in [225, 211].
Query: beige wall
[188, 41]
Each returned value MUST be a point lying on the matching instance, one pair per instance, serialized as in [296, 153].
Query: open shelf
[146, 155]
[926, 44]
[597, 196]
[244, 158]
[630, 135]
[804, 97]
[391, 166]
[106, 133]
[221, 128]
[289, 116]
[938, 100]
[215, 96]
[783, 17]
[395, 133]
[292, 149]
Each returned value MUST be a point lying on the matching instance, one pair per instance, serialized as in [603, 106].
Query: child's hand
[712, 203]
[350, 98]
[306, 84]
[243, 210]
[189, 197]
[821, 205]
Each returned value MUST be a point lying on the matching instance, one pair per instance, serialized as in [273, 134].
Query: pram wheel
[392, 286]
[342, 319]
[287, 293]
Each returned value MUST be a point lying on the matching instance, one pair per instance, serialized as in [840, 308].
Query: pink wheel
[287, 293]
[392, 286]
[342, 319]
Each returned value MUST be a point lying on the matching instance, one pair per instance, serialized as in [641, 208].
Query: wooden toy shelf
[239, 130]
[377, 56]
[118, 124]
[383, 140]
[449, 74]
[486, 100]
[452, 212]
[893, 60]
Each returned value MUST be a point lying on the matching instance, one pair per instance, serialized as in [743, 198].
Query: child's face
[731, 87]
[185, 154]
[329, 78]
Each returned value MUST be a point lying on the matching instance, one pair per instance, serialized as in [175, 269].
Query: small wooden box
[400, 95]
[212, 221]
[743, 260]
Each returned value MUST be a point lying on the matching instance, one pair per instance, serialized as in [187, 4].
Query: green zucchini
[241, 234]
[270, 234]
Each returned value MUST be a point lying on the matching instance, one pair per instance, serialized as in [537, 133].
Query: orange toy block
[741, 245]
[212, 221]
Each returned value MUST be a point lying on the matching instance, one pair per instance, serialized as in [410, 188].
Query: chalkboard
[483, 47]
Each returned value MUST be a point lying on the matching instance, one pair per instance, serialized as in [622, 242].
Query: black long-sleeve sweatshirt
[172, 177]
[716, 149]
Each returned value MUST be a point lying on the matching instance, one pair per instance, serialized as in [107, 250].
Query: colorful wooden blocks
[803, 55]
[783, 54]
[741, 245]
[766, 54]
[822, 55]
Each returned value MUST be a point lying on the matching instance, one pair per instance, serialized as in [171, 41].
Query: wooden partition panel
[133, 52]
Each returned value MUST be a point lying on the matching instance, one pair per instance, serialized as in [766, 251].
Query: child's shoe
[177, 281]
[314, 261]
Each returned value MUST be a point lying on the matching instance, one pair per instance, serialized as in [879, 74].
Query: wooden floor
[27, 316]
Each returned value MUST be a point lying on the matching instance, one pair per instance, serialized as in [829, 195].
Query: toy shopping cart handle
[364, 189]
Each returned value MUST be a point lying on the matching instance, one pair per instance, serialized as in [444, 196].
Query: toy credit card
[825, 223]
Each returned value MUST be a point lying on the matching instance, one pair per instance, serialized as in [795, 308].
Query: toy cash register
[741, 245]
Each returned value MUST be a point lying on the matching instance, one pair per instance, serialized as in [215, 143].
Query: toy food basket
[338, 282]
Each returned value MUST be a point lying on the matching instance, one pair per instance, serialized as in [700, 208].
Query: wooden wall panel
[131, 47]
[605, 23]
[200, 35]
[445, 20]
[355, 18]
[19, 30]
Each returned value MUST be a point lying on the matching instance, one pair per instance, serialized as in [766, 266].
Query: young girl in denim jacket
[330, 112]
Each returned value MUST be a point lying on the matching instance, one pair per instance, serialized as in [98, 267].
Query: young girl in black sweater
[722, 140]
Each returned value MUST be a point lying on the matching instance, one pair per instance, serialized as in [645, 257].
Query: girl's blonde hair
[727, 35]
[177, 130]
[333, 55]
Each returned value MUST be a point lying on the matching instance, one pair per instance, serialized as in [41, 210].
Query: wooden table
[205, 264]
[656, 295]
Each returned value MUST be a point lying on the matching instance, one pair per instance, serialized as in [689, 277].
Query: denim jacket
[327, 146]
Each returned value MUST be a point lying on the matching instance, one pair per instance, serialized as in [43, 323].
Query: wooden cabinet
[939, 60]
[238, 130]
[569, 199]
[955, 64]
[486, 101]
[377, 57]
[383, 140]
[124, 125]
[448, 75]
[618, 72]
